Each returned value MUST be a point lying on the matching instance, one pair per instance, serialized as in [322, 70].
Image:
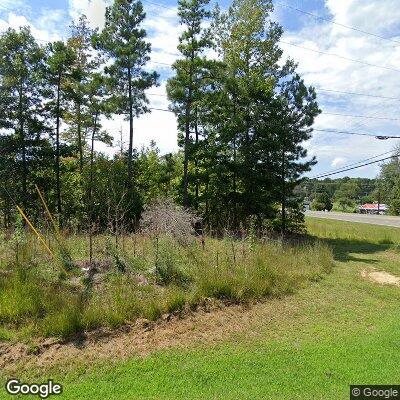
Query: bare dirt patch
[381, 277]
[138, 339]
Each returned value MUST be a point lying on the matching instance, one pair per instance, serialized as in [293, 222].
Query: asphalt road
[386, 220]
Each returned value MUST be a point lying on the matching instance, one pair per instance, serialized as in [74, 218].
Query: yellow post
[56, 228]
[39, 236]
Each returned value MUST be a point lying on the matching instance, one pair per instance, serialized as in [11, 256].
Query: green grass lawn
[339, 331]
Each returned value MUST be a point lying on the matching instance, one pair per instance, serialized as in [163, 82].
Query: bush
[170, 264]
[163, 217]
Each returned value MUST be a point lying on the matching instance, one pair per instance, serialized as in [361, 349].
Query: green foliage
[20, 299]
[321, 202]
[231, 271]
[238, 118]
[346, 193]
[170, 268]
[123, 41]
[389, 185]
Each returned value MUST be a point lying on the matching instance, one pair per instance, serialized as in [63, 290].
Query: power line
[160, 63]
[357, 94]
[349, 169]
[161, 109]
[361, 116]
[159, 5]
[355, 163]
[381, 137]
[342, 57]
[336, 23]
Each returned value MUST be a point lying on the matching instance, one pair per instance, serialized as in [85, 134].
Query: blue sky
[49, 20]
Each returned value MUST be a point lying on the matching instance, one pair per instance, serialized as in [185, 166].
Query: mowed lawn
[339, 331]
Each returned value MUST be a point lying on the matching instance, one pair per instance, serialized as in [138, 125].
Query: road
[386, 220]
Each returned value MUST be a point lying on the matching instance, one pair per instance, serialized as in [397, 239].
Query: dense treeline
[389, 183]
[341, 194]
[242, 111]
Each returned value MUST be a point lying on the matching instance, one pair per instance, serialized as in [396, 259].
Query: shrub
[175, 300]
[170, 264]
[163, 217]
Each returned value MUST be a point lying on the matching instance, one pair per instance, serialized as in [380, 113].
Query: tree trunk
[130, 151]
[90, 202]
[58, 181]
[196, 162]
[79, 128]
[186, 154]
[23, 149]
[283, 189]
[187, 134]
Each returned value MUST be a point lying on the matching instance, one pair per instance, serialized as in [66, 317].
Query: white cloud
[160, 126]
[42, 34]
[378, 16]
[338, 161]
[93, 9]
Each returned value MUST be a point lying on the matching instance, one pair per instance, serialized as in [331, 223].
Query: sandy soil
[381, 277]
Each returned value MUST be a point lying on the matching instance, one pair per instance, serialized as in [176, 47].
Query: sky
[305, 38]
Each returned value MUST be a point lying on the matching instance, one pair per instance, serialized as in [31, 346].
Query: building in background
[373, 208]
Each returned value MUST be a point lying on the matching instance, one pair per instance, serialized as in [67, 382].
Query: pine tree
[59, 63]
[123, 41]
[263, 114]
[85, 63]
[191, 74]
[96, 91]
[21, 106]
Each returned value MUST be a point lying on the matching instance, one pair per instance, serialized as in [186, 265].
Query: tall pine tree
[59, 63]
[123, 41]
[21, 108]
[191, 71]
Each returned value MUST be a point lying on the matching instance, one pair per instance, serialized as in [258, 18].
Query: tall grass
[227, 270]
[342, 230]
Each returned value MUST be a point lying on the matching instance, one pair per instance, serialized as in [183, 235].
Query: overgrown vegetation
[35, 301]
[243, 117]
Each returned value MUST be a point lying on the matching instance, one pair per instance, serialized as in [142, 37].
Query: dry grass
[36, 300]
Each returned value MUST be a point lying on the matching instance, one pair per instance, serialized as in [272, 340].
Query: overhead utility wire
[336, 23]
[381, 137]
[318, 51]
[159, 5]
[330, 90]
[349, 169]
[357, 94]
[342, 57]
[324, 112]
[353, 164]
[360, 116]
